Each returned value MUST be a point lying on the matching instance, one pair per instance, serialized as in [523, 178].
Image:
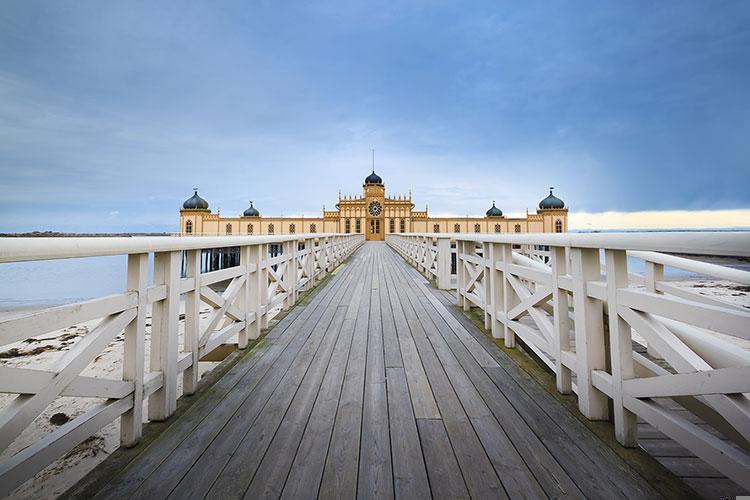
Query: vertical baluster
[164, 345]
[654, 274]
[243, 298]
[192, 321]
[263, 284]
[310, 262]
[510, 297]
[589, 333]
[561, 326]
[460, 275]
[621, 348]
[134, 349]
[487, 269]
[444, 263]
[495, 279]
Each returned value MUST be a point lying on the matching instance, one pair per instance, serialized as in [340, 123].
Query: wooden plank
[446, 480]
[562, 422]
[342, 463]
[273, 469]
[375, 470]
[264, 376]
[189, 425]
[391, 347]
[479, 475]
[236, 452]
[409, 473]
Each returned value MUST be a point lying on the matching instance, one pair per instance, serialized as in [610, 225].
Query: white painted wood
[561, 326]
[190, 375]
[47, 320]
[15, 380]
[734, 380]
[589, 333]
[24, 464]
[25, 408]
[164, 346]
[134, 349]
[621, 348]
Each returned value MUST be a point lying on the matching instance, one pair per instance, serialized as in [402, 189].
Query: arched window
[229, 229]
[436, 228]
[313, 228]
[392, 226]
[270, 228]
[477, 228]
[518, 228]
[292, 229]
[498, 229]
[558, 226]
[347, 226]
[358, 226]
[189, 227]
[249, 229]
[402, 226]
[456, 228]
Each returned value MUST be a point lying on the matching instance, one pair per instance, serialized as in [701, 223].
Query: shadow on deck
[379, 387]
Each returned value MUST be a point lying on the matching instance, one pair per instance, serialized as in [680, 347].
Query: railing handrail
[29, 249]
[702, 243]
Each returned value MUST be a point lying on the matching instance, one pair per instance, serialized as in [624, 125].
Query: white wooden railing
[257, 288]
[561, 311]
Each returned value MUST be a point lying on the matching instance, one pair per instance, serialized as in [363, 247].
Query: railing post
[163, 402]
[444, 263]
[510, 297]
[487, 269]
[654, 273]
[460, 276]
[257, 283]
[495, 279]
[621, 348]
[192, 320]
[589, 333]
[561, 325]
[310, 262]
[243, 298]
[134, 350]
[288, 274]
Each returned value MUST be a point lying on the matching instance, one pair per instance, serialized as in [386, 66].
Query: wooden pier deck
[375, 388]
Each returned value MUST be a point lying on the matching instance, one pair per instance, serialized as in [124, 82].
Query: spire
[550, 189]
[373, 160]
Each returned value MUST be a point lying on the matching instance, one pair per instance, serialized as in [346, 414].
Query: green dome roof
[551, 202]
[494, 211]
[251, 211]
[195, 202]
[373, 178]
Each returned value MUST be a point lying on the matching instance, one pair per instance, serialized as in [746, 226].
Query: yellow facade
[372, 214]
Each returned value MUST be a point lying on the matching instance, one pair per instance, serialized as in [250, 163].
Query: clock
[374, 208]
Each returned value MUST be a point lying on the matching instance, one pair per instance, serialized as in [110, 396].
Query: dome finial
[195, 190]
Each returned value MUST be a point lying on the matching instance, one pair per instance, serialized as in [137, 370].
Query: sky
[111, 112]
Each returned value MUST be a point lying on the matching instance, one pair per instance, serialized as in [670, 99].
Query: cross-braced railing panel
[573, 300]
[227, 306]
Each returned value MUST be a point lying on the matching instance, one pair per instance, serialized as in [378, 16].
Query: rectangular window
[402, 226]
[358, 226]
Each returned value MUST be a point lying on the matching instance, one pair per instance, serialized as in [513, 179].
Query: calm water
[30, 284]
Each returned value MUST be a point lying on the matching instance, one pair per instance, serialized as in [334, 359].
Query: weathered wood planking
[378, 388]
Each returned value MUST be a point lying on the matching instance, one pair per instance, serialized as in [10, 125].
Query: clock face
[374, 208]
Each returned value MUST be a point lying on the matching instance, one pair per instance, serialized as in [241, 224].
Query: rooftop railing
[152, 358]
[574, 302]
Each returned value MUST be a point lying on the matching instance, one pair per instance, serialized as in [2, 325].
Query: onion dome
[373, 178]
[494, 211]
[251, 211]
[195, 202]
[551, 202]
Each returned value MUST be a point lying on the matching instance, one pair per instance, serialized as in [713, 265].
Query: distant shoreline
[56, 234]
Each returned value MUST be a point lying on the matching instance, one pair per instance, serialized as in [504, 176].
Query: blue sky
[110, 112]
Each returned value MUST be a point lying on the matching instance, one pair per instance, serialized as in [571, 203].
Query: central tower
[374, 194]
